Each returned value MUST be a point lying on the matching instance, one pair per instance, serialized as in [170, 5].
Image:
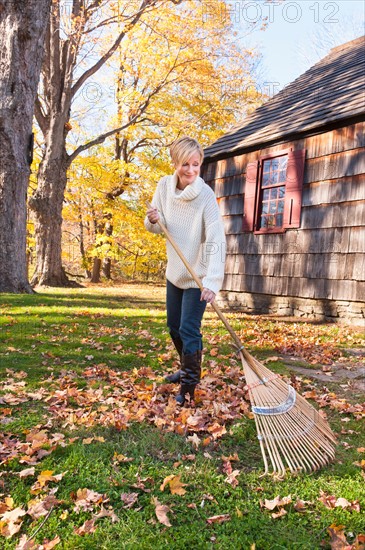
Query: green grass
[105, 340]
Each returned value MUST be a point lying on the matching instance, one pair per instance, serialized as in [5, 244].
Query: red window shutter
[250, 196]
[293, 188]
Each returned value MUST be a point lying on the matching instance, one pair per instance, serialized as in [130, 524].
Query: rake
[291, 432]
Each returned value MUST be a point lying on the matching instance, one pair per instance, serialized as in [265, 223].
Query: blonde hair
[183, 148]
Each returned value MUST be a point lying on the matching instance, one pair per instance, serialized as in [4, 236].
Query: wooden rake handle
[234, 336]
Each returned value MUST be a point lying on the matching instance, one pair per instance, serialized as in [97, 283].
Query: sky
[299, 34]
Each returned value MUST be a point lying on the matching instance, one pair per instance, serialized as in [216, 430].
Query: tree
[70, 42]
[327, 36]
[22, 33]
[74, 54]
[86, 243]
[196, 81]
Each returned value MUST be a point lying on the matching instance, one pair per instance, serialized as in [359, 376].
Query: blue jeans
[184, 316]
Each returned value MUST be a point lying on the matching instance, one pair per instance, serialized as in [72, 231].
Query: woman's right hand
[153, 215]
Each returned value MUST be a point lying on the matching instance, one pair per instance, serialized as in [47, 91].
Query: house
[290, 182]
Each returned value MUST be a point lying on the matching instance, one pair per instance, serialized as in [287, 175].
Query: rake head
[291, 432]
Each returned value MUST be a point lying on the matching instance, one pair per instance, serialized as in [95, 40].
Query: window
[273, 192]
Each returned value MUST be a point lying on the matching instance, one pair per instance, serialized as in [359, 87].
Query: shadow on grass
[86, 300]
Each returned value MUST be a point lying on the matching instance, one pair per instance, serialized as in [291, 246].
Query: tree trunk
[95, 277]
[53, 113]
[82, 246]
[107, 268]
[47, 204]
[22, 35]
[107, 262]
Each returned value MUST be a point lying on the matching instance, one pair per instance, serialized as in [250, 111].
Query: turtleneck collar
[190, 192]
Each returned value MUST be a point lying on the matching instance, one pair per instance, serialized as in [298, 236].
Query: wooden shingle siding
[334, 215]
[334, 191]
[229, 186]
[334, 166]
[299, 286]
[338, 240]
[232, 224]
[348, 138]
[232, 205]
[351, 267]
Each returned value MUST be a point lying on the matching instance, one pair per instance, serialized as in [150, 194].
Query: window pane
[265, 207]
[266, 195]
[281, 207]
[265, 179]
[281, 192]
[279, 220]
[272, 209]
[282, 176]
[283, 163]
[275, 164]
[274, 193]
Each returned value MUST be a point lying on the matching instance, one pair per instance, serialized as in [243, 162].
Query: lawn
[95, 454]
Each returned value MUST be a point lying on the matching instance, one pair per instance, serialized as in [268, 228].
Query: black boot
[190, 376]
[174, 378]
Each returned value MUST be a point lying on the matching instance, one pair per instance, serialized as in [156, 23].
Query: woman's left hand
[207, 295]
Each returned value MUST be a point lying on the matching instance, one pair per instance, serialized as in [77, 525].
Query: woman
[187, 206]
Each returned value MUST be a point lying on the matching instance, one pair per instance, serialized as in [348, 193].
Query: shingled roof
[330, 91]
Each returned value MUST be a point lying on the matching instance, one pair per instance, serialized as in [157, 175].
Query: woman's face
[189, 171]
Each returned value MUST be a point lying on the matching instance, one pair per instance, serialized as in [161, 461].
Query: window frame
[258, 204]
[293, 192]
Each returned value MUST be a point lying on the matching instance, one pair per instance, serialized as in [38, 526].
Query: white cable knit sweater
[193, 219]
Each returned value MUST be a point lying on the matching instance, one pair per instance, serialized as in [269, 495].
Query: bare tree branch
[40, 117]
[110, 52]
[102, 138]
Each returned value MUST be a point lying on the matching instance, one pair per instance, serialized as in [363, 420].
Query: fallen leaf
[269, 359]
[27, 472]
[121, 458]
[219, 519]
[216, 430]
[301, 505]
[39, 508]
[8, 504]
[161, 511]
[26, 544]
[194, 439]
[282, 512]
[232, 478]
[86, 528]
[45, 477]
[107, 513]
[327, 500]
[86, 499]
[231, 458]
[129, 499]
[48, 545]
[176, 487]
[277, 502]
[345, 504]
[10, 522]
[338, 540]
